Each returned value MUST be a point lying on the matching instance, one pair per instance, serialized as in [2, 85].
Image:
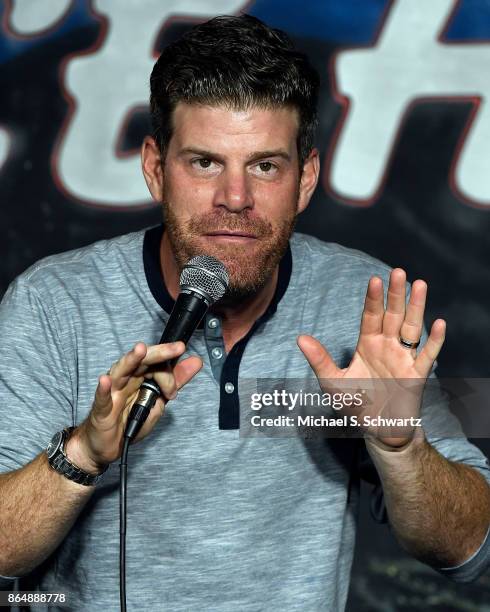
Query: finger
[372, 315]
[166, 381]
[318, 357]
[160, 353]
[427, 356]
[395, 304]
[185, 370]
[411, 328]
[133, 384]
[127, 365]
[171, 381]
[153, 416]
[102, 405]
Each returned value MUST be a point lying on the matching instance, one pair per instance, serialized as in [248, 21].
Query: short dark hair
[240, 62]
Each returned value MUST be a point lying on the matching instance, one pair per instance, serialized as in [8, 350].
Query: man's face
[231, 189]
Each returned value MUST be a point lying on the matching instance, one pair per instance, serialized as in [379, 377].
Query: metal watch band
[63, 466]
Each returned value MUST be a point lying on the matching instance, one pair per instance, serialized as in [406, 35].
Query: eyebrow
[251, 158]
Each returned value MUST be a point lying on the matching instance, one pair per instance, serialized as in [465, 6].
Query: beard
[249, 266]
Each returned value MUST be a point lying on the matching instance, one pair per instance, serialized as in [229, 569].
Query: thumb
[186, 369]
[103, 397]
[318, 357]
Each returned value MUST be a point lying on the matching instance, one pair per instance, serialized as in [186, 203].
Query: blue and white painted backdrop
[405, 144]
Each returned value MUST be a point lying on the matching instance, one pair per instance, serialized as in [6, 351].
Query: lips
[229, 234]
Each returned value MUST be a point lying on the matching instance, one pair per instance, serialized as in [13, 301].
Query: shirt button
[217, 353]
[229, 387]
[213, 323]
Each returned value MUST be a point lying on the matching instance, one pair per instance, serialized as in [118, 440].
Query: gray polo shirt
[215, 521]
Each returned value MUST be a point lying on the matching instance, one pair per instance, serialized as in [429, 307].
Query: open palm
[380, 356]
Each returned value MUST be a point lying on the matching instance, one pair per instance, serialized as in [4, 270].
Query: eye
[202, 163]
[266, 168]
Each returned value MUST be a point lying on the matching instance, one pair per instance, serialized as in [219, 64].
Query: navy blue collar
[151, 261]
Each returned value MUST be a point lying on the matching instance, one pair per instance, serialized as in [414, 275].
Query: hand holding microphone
[106, 433]
[99, 440]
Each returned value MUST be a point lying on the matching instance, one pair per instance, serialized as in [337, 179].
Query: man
[217, 521]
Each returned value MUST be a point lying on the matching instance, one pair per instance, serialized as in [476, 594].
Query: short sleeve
[473, 567]
[36, 391]
[454, 446]
[443, 431]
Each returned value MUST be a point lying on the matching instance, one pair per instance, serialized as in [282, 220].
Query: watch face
[54, 445]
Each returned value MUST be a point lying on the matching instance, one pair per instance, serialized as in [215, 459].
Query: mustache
[204, 224]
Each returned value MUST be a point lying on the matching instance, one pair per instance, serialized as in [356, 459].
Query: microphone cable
[148, 394]
[123, 468]
[203, 281]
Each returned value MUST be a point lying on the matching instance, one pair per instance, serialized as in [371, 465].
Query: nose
[234, 190]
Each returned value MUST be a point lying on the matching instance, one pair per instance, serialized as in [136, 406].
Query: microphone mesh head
[205, 275]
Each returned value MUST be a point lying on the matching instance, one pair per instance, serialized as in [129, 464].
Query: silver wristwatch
[60, 462]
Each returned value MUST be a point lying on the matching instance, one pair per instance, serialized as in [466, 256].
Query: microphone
[203, 281]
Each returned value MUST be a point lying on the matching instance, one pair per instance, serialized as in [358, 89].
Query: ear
[309, 179]
[151, 164]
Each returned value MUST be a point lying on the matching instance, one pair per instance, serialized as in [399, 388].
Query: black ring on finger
[408, 344]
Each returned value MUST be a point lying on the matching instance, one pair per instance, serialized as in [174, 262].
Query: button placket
[214, 344]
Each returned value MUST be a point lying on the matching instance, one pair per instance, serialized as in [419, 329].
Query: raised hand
[386, 351]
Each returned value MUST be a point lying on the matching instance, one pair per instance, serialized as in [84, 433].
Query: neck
[236, 318]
